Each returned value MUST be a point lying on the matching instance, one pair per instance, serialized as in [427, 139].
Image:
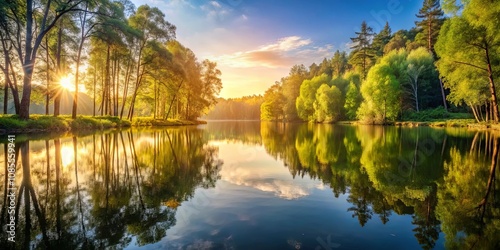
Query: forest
[125, 58]
[449, 62]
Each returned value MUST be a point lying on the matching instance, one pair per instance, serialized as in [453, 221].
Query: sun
[66, 82]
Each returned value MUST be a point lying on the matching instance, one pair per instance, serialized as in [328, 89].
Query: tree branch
[472, 65]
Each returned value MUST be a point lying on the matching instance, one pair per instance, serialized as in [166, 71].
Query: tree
[362, 53]
[352, 101]
[467, 61]
[151, 24]
[291, 90]
[305, 101]
[419, 61]
[381, 39]
[431, 17]
[381, 90]
[272, 108]
[339, 63]
[35, 25]
[328, 104]
[212, 84]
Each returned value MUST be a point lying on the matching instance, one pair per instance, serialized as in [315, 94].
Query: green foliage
[352, 101]
[339, 63]
[421, 73]
[381, 90]
[362, 55]
[432, 18]
[438, 113]
[305, 101]
[60, 123]
[381, 39]
[274, 101]
[465, 49]
[328, 104]
[11, 122]
[291, 90]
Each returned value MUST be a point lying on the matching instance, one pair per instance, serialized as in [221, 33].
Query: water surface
[252, 185]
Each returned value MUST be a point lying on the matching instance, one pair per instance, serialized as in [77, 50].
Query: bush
[438, 113]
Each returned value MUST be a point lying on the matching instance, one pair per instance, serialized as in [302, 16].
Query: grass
[36, 123]
[61, 123]
[148, 121]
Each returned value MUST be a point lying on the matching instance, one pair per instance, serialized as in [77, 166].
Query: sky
[256, 42]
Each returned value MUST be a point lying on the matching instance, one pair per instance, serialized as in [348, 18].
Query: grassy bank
[44, 123]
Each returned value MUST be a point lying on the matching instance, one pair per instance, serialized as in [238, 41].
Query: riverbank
[450, 123]
[44, 123]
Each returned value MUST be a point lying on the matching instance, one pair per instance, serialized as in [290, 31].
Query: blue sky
[256, 42]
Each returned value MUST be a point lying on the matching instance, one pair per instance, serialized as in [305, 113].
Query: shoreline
[10, 124]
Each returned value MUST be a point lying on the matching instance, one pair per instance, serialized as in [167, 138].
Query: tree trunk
[125, 87]
[443, 95]
[57, 99]
[14, 89]
[492, 86]
[47, 94]
[78, 58]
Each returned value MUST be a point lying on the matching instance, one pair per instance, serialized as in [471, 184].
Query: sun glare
[66, 82]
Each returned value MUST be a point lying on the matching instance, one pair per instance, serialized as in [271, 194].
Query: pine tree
[381, 39]
[431, 16]
[362, 53]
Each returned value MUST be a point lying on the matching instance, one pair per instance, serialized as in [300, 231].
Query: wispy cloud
[215, 11]
[283, 53]
[283, 188]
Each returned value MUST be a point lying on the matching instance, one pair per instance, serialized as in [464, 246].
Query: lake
[252, 185]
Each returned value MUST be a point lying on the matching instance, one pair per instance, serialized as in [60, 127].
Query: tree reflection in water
[122, 188]
[106, 189]
[438, 176]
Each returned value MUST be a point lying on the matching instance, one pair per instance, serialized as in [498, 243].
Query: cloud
[283, 53]
[216, 12]
[285, 189]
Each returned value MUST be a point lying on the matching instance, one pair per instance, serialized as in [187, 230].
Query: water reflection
[446, 179]
[135, 188]
[107, 189]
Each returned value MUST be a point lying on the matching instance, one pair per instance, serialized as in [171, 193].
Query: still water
[252, 185]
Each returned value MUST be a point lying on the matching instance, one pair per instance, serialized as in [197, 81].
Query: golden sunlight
[67, 82]
[67, 156]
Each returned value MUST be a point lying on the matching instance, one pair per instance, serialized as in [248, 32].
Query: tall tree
[362, 52]
[419, 62]
[305, 101]
[432, 19]
[381, 39]
[431, 16]
[274, 100]
[151, 24]
[30, 27]
[328, 104]
[382, 89]
[291, 90]
[339, 63]
[468, 60]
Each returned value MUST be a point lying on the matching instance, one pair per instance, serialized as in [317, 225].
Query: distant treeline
[243, 108]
